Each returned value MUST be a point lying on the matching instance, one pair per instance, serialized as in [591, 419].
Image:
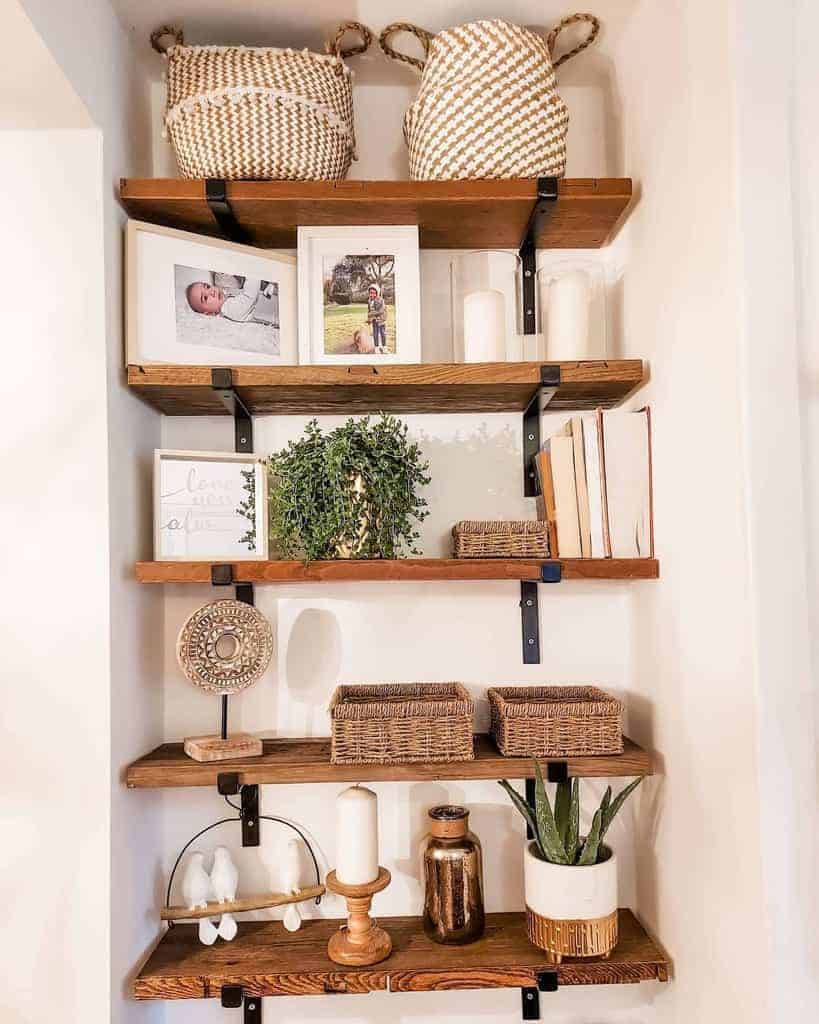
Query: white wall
[97, 57]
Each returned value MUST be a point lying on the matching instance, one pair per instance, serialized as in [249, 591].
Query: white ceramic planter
[571, 911]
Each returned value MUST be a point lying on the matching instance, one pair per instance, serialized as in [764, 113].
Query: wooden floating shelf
[308, 760]
[406, 570]
[423, 387]
[242, 905]
[449, 214]
[268, 961]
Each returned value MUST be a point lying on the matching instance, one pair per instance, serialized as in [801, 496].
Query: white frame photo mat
[209, 492]
[316, 245]
[156, 317]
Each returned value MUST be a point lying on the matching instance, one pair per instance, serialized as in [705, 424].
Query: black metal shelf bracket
[550, 572]
[233, 996]
[228, 784]
[549, 383]
[217, 200]
[221, 380]
[530, 997]
[546, 197]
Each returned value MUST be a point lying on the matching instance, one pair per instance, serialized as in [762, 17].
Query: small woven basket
[525, 538]
[555, 721]
[240, 112]
[401, 723]
[488, 105]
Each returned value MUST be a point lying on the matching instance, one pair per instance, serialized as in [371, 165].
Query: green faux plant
[353, 490]
[557, 832]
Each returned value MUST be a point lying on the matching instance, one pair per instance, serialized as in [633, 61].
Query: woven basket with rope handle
[488, 105]
[261, 112]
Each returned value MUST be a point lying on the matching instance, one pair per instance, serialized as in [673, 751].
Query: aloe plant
[557, 832]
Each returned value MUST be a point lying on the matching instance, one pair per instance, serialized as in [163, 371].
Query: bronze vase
[453, 878]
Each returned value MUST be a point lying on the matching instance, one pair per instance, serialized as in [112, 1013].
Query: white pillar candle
[484, 327]
[568, 316]
[356, 836]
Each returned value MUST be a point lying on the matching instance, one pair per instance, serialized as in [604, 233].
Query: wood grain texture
[449, 214]
[266, 960]
[245, 903]
[419, 387]
[291, 761]
[406, 570]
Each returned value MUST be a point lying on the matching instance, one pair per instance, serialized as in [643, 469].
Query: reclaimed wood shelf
[265, 960]
[406, 570]
[449, 214]
[422, 387]
[292, 761]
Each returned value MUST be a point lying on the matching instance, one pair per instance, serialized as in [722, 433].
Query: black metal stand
[221, 575]
[550, 572]
[546, 195]
[233, 996]
[530, 997]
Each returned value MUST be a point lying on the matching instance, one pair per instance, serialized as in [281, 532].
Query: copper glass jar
[453, 878]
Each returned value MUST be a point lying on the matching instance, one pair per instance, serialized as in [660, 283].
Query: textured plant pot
[571, 911]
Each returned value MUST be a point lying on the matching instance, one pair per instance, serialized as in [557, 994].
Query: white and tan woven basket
[487, 106]
[240, 112]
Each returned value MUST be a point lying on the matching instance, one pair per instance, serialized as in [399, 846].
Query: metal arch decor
[225, 646]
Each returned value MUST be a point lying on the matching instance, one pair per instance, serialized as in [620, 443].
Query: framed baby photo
[194, 300]
[209, 506]
[359, 295]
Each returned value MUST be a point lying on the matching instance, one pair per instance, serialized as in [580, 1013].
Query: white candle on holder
[568, 332]
[356, 836]
[484, 327]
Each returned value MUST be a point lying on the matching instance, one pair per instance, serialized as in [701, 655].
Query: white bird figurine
[224, 880]
[196, 889]
[195, 882]
[290, 871]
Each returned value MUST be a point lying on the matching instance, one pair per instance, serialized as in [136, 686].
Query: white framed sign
[209, 506]
[194, 300]
[359, 295]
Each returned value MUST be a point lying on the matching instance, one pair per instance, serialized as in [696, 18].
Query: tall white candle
[484, 327]
[568, 333]
[356, 836]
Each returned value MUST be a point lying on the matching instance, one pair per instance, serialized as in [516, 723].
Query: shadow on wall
[314, 653]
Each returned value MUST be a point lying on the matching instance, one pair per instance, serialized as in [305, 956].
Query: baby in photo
[241, 299]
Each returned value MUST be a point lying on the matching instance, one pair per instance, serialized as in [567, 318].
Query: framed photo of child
[194, 300]
[359, 295]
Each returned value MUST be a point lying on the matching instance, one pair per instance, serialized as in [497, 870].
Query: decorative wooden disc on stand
[223, 648]
[360, 941]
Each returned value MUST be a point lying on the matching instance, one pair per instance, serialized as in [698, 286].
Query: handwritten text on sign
[197, 510]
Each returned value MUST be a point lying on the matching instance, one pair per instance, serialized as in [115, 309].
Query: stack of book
[595, 486]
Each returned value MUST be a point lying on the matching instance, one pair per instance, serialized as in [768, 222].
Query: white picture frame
[336, 332]
[163, 265]
[196, 495]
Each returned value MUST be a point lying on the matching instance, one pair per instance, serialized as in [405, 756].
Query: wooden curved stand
[360, 941]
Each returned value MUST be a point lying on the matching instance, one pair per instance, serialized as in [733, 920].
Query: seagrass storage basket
[401, 723]
[555, 721]
[487, 106]
[524, 538]
[240, 112]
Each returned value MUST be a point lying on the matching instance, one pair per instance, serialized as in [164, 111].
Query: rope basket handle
[421, 34]
[572, 19]
[159, 34]
[333, 45]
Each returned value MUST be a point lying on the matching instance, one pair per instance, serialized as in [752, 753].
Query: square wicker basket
[401, 723]
[522, 538]
[555, 721]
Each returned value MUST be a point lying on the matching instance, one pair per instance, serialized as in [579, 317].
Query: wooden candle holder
[361, 941]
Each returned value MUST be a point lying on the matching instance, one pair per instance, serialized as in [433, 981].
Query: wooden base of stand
[360, 942]
[214, 748]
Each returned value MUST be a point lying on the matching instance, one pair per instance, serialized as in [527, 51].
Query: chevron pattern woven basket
[487, 106]
[258, 113]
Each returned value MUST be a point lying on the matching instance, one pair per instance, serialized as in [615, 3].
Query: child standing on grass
[377, 318]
